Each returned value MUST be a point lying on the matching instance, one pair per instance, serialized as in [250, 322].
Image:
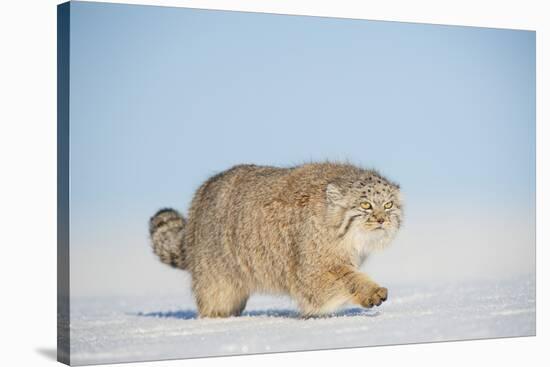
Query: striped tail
[167, 231]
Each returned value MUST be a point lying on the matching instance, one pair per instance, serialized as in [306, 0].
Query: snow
[141, 328]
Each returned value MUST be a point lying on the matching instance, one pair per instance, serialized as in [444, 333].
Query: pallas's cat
[301, 231]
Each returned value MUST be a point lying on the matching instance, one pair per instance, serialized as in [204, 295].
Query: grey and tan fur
[302, 231]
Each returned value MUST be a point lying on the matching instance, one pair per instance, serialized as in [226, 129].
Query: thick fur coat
[302, 231]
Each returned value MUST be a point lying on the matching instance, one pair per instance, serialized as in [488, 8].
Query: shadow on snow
[284, 313]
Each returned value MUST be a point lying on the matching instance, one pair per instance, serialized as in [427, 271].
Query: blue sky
[162, 98]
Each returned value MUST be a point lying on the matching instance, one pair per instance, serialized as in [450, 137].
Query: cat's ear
[334, 195]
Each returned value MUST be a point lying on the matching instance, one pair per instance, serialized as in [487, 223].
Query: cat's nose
[381, 220]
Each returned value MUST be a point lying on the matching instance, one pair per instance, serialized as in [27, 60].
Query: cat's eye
[388, 205]
[366, 205]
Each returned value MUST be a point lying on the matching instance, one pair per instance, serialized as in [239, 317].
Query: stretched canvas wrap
[237, 183]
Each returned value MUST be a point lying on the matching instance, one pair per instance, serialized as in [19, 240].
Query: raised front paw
[374, 297]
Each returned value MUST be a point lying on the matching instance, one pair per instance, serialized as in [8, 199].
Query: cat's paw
[375, 297]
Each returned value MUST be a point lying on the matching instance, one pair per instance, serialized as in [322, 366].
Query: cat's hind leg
[218, 297]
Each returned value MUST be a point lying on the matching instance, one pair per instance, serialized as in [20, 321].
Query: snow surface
[140, 328]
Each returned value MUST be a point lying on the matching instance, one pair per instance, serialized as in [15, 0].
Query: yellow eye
[388, 205]
[366, 205]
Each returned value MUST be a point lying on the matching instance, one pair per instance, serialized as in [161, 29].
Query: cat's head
[370, 202]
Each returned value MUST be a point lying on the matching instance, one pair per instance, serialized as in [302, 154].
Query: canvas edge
[63, 260]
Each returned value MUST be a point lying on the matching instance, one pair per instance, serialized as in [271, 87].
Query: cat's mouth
[378, 227]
